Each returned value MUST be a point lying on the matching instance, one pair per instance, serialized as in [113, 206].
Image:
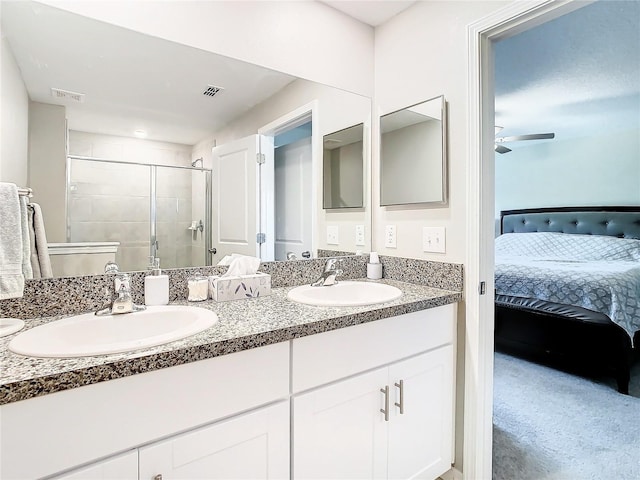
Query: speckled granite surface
[242, 325]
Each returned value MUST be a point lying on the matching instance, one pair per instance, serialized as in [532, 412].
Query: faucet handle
[122, 281]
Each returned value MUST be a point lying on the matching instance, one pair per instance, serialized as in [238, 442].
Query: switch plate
[332, 235]
[360, 235]
[433, 239]
[390, 236]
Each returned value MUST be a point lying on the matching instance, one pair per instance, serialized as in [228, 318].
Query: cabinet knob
[385, 410]
[158, 477]
[400, 385]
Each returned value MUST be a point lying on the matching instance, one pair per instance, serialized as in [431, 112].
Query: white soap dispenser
[156, 285]
[374, 267]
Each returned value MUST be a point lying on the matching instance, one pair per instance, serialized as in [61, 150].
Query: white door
[293, 199]
[420, 439]
[339, 431]
[122, 467]
[251, 446]
[235, 218]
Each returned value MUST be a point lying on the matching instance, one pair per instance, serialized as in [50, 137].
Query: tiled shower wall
[110, 201]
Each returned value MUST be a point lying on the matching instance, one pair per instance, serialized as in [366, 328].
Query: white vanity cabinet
[321, 406]
[251, 446]
[394, 421]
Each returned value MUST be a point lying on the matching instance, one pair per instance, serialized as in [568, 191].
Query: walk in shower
[149, 209]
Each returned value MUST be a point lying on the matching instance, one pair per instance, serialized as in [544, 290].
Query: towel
[242, 265]
[12, 247]
[40, 260]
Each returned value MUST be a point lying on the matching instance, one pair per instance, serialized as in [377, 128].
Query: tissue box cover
[222, 289]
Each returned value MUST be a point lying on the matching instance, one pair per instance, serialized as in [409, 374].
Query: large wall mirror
[343, 172]
[145, 126]
[413, 156]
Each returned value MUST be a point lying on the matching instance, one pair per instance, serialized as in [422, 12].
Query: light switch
[390, 236]
[433, 239]
[360, 235]
[332, 235]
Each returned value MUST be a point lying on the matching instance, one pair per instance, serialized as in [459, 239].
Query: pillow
[563, 246]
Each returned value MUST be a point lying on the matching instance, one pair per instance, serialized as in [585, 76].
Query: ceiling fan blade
[532, 136]
[502, 149]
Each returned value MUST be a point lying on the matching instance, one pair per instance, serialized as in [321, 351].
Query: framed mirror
[343, 168]
[91, 103]
[413, 155]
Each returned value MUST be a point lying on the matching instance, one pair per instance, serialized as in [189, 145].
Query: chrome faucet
[330, 274]
[123, 302]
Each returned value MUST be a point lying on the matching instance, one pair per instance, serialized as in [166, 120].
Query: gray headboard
[613, 221]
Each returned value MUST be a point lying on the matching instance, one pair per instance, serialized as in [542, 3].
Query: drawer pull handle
[385, 410]
[401, 404]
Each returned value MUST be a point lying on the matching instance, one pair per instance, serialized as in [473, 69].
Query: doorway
[292, 193]
[479, 284]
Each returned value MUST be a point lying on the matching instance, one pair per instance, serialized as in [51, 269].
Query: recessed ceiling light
[140, 133]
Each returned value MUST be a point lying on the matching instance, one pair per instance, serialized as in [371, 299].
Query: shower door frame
[153, 211]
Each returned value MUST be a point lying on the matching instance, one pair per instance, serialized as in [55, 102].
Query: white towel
[40, 260]
[11, 242]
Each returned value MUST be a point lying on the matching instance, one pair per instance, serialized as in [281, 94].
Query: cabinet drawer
[326, 357]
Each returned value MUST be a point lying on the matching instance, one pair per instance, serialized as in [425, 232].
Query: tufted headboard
[613, 221]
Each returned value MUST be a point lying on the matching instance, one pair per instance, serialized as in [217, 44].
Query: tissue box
[222, 289]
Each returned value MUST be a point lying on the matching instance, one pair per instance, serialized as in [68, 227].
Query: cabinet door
[122, 467]
[250, 446]
[339, 431]
[420, 438]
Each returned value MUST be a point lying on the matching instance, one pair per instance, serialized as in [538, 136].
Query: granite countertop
[243, 324]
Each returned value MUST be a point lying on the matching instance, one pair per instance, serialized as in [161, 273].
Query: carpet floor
[549, 424]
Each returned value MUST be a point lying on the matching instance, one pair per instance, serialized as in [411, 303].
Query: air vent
[211, 90]
[67, 95]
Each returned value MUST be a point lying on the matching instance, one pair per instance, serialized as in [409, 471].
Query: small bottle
[198, 288]
[156, 285]
[374, 267]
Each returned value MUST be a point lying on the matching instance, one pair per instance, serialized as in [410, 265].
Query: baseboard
[453, 474]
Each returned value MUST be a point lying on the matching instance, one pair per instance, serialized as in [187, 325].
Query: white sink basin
[10, 325]
[88, 334]
[345, 294]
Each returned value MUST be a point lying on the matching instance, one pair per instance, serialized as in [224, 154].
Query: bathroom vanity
[274, 390]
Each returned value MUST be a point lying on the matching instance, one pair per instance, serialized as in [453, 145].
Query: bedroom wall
[594, 170]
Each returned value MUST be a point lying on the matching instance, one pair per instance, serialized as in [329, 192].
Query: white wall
[47, 165]
[422, 53]
[14, 121]
[594, 170]
[298, 38]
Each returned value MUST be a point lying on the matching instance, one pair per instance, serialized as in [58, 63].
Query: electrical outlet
[360, 235]
[332, 235]
[433, 239]
[390, 236]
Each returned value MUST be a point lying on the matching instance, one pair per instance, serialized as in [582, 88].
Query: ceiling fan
[516, 138]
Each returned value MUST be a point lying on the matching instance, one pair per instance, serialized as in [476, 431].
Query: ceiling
[577, 75]
[372, 12]
[131, 81]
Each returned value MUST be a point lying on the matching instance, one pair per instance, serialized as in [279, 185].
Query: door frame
[290, 120]
[479, 308]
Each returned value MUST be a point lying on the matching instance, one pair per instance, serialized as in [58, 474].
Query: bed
[568, 287]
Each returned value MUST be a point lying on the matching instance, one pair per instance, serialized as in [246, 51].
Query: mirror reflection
[413, 154]
[343, 172]
[126, 157]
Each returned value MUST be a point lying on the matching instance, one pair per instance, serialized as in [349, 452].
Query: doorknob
[213, 250]
[306, 254]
